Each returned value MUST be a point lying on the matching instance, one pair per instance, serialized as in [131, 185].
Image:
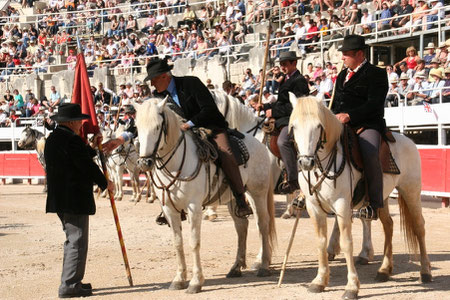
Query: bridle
[162, 131]
[325, 172]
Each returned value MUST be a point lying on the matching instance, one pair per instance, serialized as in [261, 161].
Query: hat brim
[288, 58]
[157, 73]
[67, 119]
[343, 48]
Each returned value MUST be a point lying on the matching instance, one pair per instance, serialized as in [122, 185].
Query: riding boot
[289, 157]
[243, 210]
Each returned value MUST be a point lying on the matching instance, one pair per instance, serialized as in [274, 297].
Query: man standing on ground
[71, 173]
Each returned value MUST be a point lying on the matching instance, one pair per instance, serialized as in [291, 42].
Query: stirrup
[367, 212]
[299, 202]
[243, 212]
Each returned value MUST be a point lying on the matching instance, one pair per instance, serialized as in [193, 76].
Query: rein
[325, 172]
[255, 128]
[161, 163]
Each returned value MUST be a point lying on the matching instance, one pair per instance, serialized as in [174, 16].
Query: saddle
[238, 146]
[271, 134]
[352, 152]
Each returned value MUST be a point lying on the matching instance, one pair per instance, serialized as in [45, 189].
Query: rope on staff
[116, 217]
[266, 54]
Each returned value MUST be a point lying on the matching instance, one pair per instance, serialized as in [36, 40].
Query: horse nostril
[145, 163]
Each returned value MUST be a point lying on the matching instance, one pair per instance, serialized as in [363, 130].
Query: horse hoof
[362, 261]
[286, 216]
[178, 285]
[316, 288]
[194, 289]
[382, 277]
[234, 273]
[150, 200]
[212, 217]
[263, 273]
[426, 278]
[331, 257]
[350, 295]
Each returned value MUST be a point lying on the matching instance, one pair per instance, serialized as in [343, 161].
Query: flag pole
[78, 91]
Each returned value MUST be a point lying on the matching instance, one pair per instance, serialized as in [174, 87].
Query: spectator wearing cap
[392, 98]
[435, 87]
[435, 65]
[433, 15]
[149, 22]
[443, 53]
[430, 55]
[404, 86]
[418, 92]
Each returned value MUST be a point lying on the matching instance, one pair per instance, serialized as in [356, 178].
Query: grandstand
[214, 40]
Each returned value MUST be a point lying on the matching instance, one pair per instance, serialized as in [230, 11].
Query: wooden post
[445, 202]
[266, 54]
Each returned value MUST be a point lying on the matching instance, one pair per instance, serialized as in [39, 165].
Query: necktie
[350, 75]
[172, 104]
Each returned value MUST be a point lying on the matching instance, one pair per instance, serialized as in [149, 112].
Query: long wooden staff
[288, 250]
[334, 86]
[116, 216]
[116, 121]
[266, 54]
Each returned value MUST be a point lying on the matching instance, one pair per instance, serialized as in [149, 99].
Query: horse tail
[271, 210]
[407, 226]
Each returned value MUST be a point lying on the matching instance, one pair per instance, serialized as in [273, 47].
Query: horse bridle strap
[255, 128]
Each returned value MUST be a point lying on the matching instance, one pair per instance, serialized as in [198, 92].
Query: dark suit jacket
[282, 108]
[71, 173]
[362, 97]
[198, 104]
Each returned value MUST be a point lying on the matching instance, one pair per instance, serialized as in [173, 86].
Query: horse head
[314, 127]
[27, 138]
[152, 125]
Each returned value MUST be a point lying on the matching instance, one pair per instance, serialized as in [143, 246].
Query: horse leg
[410, 205]
[195, 221]
[241, 226]
[119, 184]
[211, 212]
[289, 212]
[319, 219]
[345, 226]
[388, 225]
[262, 217]
[366, 254]
[179, 282]
[333, 245]
[134, 175]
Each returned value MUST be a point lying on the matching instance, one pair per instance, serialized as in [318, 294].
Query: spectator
[418, 92]
[404, 9]
[435, 87]
[430, 55]
[18, 100]
[276, 79]
[149, 23]
[384, 15]
[8, 97]
[446, 92]
[433, 15]
[435, 65]
[443, 53]
[404, 87]
[55, 98]
[416, 20]
[392, 98]
[325, 87]
[248, 81]
[391, 74]
[131, 25]
[411, 59]
[367, 23]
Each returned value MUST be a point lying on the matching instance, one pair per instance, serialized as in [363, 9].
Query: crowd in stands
[214, 27]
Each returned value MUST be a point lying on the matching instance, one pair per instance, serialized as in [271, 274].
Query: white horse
[243, 119]
[317, 134]
[121, 158]
[184, 185]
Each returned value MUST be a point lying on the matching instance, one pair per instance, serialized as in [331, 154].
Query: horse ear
[163, 102]
[293, 99]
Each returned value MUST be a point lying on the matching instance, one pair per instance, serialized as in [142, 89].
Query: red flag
[82, 95]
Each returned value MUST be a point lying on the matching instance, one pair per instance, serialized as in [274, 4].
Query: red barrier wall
[435, 167]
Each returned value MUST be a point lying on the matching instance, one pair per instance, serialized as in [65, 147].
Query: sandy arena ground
[31, 255]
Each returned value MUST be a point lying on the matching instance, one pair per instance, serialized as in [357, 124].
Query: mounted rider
[360, 93]
[281, 110]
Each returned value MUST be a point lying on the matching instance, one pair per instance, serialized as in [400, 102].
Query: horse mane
[309, 109]
[236, 110]
[148, 115]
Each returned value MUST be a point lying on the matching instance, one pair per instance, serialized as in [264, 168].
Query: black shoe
[86, 286]
[289, 187]
[75, 292]
[161, 219]
[367, 213]
[242, 210]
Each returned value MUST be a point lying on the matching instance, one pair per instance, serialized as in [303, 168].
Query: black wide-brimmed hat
[157, 67]
[289, 55]
[69, 112]
[353, 42]
[129, 109]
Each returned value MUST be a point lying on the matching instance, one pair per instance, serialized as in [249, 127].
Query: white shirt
[300, 34]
